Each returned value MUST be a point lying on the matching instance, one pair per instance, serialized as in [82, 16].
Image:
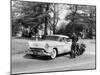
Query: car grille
[37, 49]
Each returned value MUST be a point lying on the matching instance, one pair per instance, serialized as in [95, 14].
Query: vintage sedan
[52, 45]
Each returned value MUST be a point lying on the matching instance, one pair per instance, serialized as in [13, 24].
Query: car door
[61, 45]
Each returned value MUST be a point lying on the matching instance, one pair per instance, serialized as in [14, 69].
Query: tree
[53, 19]
[72, 16]
[81, 16]
[33, 13]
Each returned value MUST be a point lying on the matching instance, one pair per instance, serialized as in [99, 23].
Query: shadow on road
[27, 56]
[36, 57]
[64, 54]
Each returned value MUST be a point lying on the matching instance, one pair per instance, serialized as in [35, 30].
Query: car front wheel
[54, 54]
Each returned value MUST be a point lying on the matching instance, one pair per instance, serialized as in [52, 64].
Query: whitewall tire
[54, 54]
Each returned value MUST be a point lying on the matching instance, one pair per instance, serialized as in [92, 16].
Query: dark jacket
[74, 38]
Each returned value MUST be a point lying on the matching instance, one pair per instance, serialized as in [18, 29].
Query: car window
[62, 39]
[54, 38]
[57, 38]
[68, 40]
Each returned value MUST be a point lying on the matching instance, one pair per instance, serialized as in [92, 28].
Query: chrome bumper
[38, 52]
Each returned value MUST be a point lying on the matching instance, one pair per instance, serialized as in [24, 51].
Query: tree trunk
[53, 29]
[46, 21]
[45, 29]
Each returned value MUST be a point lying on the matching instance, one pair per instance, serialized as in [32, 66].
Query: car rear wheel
[54, 54]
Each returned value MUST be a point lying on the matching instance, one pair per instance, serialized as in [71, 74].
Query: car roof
[59, 36]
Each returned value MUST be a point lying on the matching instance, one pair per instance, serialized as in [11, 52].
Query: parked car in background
[52, 45]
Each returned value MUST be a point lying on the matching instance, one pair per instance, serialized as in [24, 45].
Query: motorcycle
[80, 49]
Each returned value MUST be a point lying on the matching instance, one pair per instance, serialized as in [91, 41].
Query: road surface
[22, 63]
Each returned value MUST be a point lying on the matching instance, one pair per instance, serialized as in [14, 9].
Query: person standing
[74, 44]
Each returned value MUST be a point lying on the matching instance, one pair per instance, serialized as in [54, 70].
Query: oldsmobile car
[53, 45]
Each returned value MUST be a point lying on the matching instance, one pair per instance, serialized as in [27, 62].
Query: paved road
[25, 64]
